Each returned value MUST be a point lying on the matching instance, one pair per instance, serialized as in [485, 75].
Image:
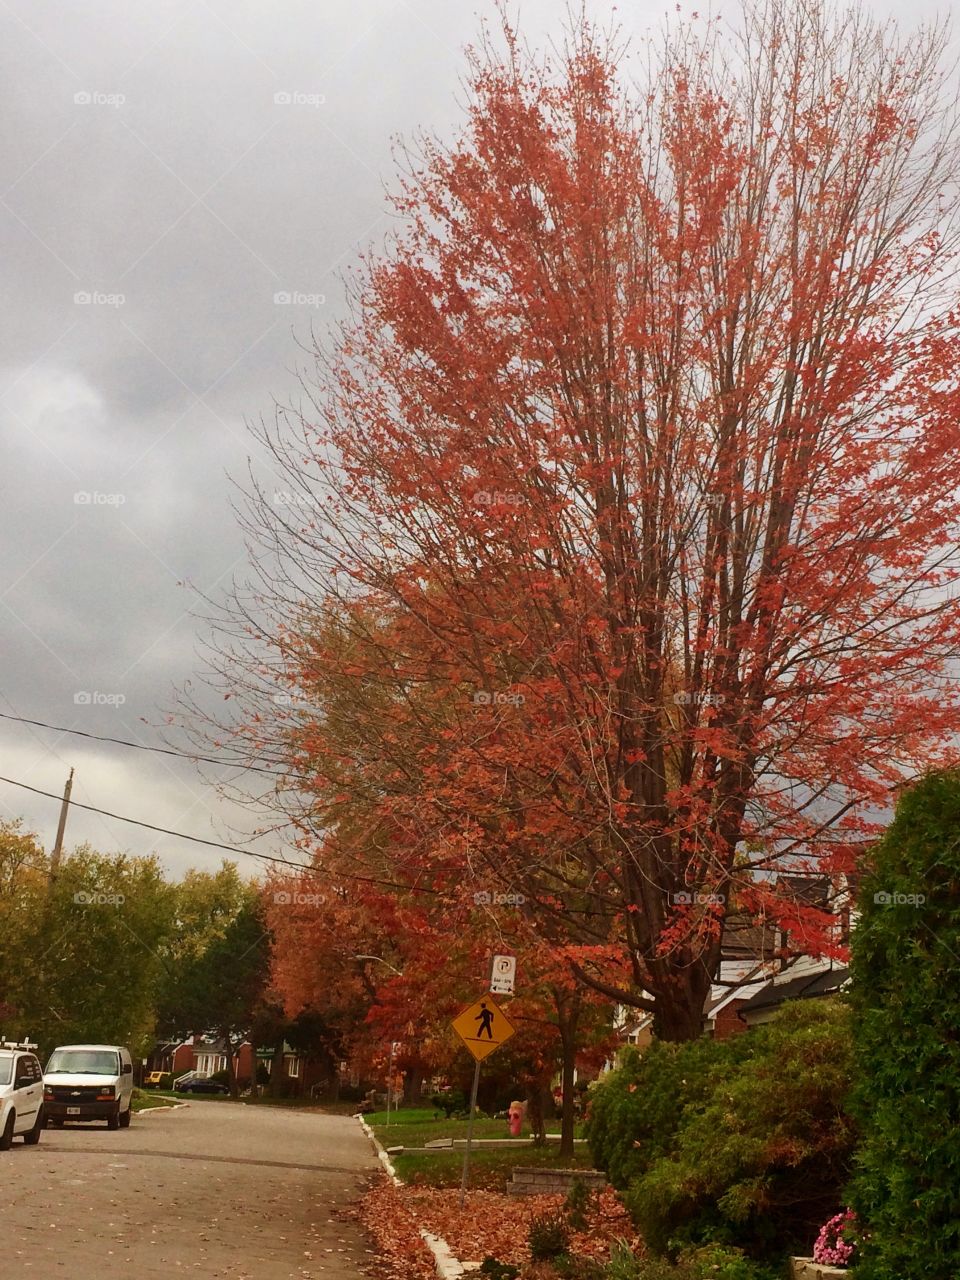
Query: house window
[293, 1068]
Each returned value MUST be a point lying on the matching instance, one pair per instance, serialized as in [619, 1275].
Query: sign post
[483, 1027]
[393, 1049]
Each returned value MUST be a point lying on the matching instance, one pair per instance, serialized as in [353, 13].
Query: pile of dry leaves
[489, 1224]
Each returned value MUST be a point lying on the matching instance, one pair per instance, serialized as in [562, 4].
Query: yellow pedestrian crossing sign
[483, 1027]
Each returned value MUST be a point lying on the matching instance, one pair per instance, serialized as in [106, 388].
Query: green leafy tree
[223, 987]
[89, 943]
[906, 961]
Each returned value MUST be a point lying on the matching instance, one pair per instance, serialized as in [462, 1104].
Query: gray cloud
[176, 165]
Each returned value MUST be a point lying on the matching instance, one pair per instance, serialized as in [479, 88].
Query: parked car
[200, 1084]
[21, 1095]
[154, 1079]
[89, 1082]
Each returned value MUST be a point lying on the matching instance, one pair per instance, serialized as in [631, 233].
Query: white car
[21, 1095]
[88, 1082]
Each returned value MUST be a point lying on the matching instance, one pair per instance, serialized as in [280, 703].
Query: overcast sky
[169, 169]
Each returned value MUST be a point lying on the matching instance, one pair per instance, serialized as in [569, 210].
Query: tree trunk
[412, 1085]
[276, 1070]
[568, 1020]
[231, 1067]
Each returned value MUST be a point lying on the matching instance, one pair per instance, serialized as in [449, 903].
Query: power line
[180, 835]
[141, 746]
[216, 844]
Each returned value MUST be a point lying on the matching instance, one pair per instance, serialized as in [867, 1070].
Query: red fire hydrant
[515, 1116]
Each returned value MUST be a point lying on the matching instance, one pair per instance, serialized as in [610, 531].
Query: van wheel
[6, 1138]
[113, 1122]
[125, 1119]
[33, 1136]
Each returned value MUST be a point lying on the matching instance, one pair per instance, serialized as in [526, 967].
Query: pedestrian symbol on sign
[485, 1018]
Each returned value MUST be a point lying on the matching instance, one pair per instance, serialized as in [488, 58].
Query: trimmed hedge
[743, 1142]
[906, 967]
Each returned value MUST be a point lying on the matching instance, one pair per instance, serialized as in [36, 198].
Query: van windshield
[6, 1070]
[92, 1062]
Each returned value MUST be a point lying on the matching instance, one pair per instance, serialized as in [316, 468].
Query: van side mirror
[126, 1069]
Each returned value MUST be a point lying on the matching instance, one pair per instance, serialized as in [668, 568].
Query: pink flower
[837, 1242]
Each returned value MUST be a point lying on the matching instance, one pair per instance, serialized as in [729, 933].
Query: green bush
[549, 1238]
[577, 1204]
[636, 1110]
[497, 1270]
[713, 1262]
[451, 1104]
[740, 1143]
[906, 960]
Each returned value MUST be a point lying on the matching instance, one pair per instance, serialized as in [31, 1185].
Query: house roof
[811, 890]
[803, 987]
[744, 937]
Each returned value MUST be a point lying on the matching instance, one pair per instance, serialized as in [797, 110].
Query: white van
[88, 1082]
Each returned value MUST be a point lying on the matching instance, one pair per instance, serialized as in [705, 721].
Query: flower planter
[807, 1269]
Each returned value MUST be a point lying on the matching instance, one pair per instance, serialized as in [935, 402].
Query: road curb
[174, 1106]
[448, 1267]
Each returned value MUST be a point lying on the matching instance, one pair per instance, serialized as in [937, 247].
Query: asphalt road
[209, 1189]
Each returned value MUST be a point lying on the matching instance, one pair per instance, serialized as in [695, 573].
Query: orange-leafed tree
[633, 481]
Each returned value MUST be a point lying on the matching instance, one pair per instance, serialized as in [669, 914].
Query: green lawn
[146, 1101]
[490, 1170]
[416, 1126]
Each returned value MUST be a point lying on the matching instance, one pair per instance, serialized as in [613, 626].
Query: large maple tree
[632, 486]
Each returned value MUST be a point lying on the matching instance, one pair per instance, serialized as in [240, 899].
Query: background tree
[223, 987]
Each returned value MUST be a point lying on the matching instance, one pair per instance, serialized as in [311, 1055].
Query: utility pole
[61, 826]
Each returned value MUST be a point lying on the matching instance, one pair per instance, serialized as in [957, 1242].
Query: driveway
[209, 1189]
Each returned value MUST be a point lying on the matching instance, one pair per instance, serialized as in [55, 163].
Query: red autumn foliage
[632, 531]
